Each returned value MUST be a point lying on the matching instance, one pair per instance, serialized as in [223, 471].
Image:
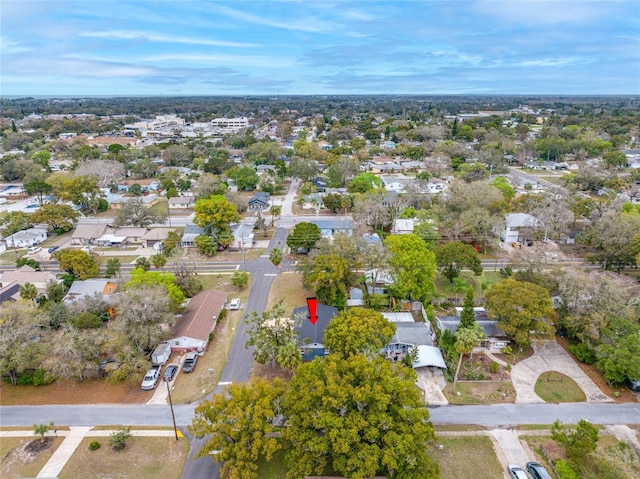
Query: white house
[513, 223]
[26, 238]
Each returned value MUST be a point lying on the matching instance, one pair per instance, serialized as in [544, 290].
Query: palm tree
[158, 260]
[28, 291]
[466, 340]
[276, 257]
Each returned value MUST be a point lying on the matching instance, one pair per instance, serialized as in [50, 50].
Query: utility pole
[173, 416]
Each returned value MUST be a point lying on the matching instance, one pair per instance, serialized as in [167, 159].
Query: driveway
[549, 356]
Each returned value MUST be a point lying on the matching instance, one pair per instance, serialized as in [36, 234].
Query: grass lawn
[25, 456]
[142, 458]
[553, 386]
[289, 288]
[189, 387]
[463, 457]
[487, 278]
[480, 392]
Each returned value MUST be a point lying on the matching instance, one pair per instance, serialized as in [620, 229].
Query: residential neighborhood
[460, 255]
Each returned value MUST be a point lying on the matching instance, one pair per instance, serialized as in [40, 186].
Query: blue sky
[138, 47]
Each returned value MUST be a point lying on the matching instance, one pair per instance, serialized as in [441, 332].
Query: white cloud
[156, 37]
[8, 46]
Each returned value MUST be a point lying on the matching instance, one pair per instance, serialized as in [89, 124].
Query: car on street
[235, 303]
[517, 472]
[537, 471]
[150, 379]
[190, 361]
[170, 372]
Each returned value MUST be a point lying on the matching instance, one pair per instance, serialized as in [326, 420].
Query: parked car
[170, 372]
[190, 362]
[537, 471]
[150, 379]
[235, 303]
[517, 472]
[633, 384]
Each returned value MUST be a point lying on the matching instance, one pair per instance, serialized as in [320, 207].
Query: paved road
[495, 416]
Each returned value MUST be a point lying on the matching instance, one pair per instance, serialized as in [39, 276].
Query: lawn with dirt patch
[553, 386]
[25, 457]
[480, 392]
[142, 458]
[89, 391]
[288, 288]
[466, 457]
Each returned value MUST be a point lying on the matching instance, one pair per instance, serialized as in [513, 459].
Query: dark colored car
[170, 372]
[537, 471]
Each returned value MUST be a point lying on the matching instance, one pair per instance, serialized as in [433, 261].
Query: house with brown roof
[191, 331]
[26, 274]
[87, 233]
[155, 236]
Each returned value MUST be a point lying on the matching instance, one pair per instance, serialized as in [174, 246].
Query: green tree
[113, 267]
[158, 260]
[240, 279]
[358, 331]
[468, 316]
[520, 307]
[413, 266]
[364, 182]
[330, 275]
[215, 214]
[245, 177]
[303, 236]
[42, 429]
[453, 257]
[20, 323]
[15, 221]
[206, 245]
[241, 426]
[358, 417]
[29, 262]
[139, 276]
[276, 256]
[269, 333]
[143, 263]
[38, 188]
[56, 216]
[618, 354]
[28, 291]
[78, 263]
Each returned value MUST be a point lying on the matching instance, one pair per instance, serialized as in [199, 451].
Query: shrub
[118, 439]
[87, 320]
[240, 279]
[564, 470]
[94, 445]
[583, 353]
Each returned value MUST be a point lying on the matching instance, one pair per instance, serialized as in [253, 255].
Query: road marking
[271, 274]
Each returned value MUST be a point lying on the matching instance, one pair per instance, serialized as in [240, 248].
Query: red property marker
[312, 306]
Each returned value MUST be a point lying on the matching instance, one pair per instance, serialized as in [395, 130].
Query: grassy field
[25, 456]
[490, 392]
[289, 288]
[463, 457]
[142, 458]
[553, 386]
